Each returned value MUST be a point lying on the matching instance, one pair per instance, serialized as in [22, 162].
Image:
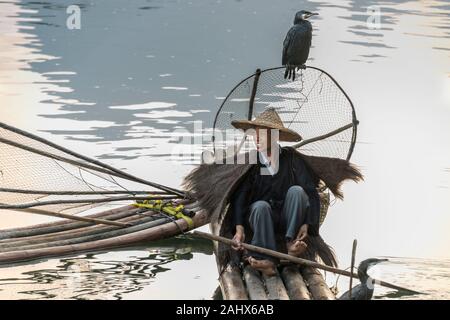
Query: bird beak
[311, 14]
[379, 261]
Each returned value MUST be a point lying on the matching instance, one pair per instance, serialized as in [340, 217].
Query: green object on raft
[175, 210]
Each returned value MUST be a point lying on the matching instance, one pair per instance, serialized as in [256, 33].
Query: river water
[135, 72]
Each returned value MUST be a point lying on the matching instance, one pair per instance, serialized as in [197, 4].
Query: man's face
[264, 144]
[262, 138]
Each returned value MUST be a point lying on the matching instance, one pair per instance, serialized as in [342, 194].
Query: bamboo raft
[67, 237]
[75, 182]
[290, 283]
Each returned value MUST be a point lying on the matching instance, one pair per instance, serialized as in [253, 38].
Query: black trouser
[293, 215]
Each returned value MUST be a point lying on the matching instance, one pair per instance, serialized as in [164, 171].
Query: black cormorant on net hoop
[314, 105]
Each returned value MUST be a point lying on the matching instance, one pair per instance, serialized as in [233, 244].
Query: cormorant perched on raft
[297, 43]
[362, 291]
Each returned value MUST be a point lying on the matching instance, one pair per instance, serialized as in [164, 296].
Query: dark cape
[212, 185]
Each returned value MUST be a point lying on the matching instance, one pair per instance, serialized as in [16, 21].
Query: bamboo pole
[297, 260]
[71, 233]
[73, 217]
[74, 201]
[255, 287]
[166, 230]
[231, 283]
[252, 97]
[324, 136]
[64, 193]
[275, 287]
[63, 225]
[352, 266]
[146, 224]
[295, 284]
[316, 284]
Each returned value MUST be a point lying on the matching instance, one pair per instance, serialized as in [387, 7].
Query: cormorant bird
[362, 291]
[297, 43]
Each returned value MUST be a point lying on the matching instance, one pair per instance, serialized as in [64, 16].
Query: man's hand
[303, 232]
[238, 238]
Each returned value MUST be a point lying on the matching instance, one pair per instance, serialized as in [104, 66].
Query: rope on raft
[173, 211]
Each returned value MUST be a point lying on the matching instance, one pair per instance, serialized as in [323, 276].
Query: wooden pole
[352, 265]
[297, 260]
[253, 94]
[324, 136]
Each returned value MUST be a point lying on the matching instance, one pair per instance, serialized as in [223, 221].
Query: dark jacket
[213, 185]
[292, 170]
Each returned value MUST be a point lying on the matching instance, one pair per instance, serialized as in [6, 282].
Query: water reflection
[136, 70]
[128, 56]
[109, 63]
[429, 277]
[110, 275]
[391, 14]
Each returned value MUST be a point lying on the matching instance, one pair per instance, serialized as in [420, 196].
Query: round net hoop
[314, 105]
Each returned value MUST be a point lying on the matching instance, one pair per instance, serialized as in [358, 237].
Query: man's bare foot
[296, 247]
[266, 267]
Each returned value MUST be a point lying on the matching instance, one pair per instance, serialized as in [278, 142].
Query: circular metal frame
[355, 121]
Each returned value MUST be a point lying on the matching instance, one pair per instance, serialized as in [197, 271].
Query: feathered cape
[213, 184]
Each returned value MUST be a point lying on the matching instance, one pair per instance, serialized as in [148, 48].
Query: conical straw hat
[268, 119]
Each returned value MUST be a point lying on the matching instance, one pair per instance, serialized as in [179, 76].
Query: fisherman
[278, 197]
[273, 201]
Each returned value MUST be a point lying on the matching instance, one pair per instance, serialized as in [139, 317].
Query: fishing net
[314, 105]
[35, 173]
